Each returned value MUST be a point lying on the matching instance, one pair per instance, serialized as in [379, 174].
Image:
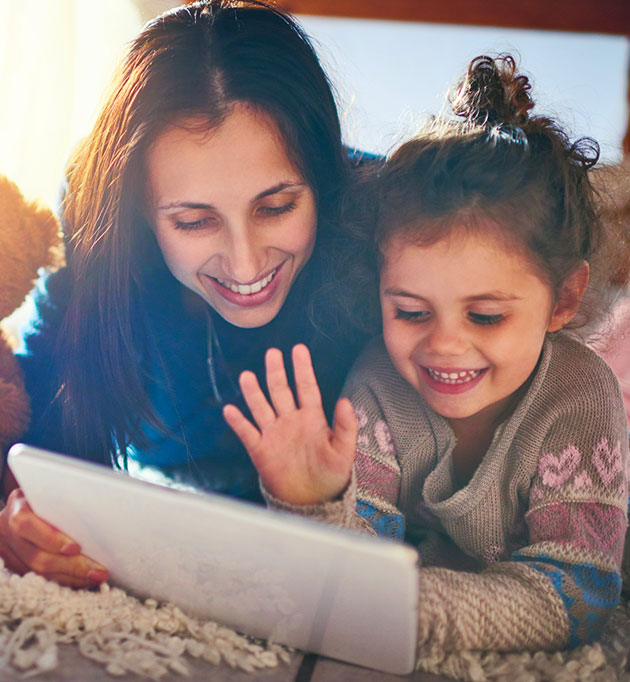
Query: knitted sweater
[527, 555]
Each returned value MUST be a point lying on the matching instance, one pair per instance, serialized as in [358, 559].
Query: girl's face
[464, 321]
[234, 219]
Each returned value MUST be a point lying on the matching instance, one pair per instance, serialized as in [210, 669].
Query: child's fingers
[256, 400]
[308, 391]
[345, 428]
[242, 427]
[277, 383]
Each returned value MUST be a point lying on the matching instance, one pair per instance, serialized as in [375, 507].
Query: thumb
[345, 429]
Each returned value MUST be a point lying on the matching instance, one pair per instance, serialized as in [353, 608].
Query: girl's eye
[191, 225]
[478, 318]
[412, 315]
[266, 211]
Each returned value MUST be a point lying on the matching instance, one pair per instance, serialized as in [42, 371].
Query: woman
[200, 219]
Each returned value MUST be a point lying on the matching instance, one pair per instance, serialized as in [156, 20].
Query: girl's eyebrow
[280, 187]
[489, 296]
[494, 296]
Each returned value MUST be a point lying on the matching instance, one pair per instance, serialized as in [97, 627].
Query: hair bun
[491, 93]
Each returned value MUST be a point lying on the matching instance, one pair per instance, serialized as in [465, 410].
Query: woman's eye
[277, 210]
[479, 318]
[412, 315]
[189, 225]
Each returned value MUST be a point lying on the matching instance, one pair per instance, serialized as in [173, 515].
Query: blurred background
[56, 57]
[389, 70]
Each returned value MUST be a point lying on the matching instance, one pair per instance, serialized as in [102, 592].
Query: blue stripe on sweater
[387, 525]
[600, 591]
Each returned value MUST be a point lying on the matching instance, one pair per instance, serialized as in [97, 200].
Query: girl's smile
[464, 320]
[453, 380]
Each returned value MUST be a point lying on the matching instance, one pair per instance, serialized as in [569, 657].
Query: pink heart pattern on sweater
[602, 528]
[588, 527]
[556, 470]
[607, 462]
[582, 480]
[383, 437]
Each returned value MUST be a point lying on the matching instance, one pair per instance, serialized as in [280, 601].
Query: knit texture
[527, 555]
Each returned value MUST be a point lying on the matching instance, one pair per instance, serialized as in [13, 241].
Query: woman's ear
[569, 297]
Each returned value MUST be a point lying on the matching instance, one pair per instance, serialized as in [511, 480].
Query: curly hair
[493, 162]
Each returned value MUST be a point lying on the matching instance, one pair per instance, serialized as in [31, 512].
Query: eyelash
[267, 212]
[422, 315]
[194, 225]
[478, 318]
[277, 210]
[411, 315]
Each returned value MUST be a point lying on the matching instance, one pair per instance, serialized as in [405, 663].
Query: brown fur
[29, 240]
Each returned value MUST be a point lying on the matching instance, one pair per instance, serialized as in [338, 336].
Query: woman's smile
[255, 293]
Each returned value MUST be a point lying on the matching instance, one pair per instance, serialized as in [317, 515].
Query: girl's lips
[452, 381]
[246, 300]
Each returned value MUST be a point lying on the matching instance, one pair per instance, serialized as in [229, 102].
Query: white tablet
[267, 574]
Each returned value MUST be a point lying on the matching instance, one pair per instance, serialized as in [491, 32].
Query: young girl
[484, 434]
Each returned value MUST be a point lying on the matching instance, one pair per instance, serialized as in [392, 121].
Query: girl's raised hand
[300, 459]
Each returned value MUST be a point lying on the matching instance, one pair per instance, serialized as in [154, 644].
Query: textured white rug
[114, 629]
[151, 640]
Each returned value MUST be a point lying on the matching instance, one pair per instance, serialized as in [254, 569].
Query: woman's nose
[244, 257]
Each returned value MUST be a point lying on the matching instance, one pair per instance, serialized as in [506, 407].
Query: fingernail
[98, 576]
[71, 549]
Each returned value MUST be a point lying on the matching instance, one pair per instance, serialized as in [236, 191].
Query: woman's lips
[452, 380]
[247, 295]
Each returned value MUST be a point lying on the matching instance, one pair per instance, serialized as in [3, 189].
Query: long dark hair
[196, 60]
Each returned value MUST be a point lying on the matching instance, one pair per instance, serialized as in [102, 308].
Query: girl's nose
[445, 339]
[243, 257]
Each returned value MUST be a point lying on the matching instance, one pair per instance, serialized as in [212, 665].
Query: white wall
[392, 74]
[56, 61]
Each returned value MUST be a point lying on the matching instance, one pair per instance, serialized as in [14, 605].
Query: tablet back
[267, 574]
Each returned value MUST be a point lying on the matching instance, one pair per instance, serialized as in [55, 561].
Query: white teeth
[461, 377]
[247, 289]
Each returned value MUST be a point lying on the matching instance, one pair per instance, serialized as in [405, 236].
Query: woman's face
[234, 218]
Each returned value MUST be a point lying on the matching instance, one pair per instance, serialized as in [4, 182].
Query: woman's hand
[299, 458]
[28, 543]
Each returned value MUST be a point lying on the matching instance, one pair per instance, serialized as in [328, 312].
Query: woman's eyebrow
[281, 186]
[183, 204]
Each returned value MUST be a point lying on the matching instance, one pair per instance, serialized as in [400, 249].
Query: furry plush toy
[29, 240]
